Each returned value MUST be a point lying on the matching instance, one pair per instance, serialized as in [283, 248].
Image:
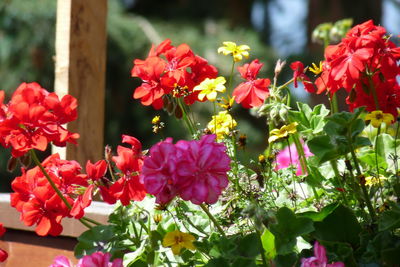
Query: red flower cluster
[170, 70]
[129, 161]
[253, 92]
[364, 63]
[34, 117]
[3, 253]
[195, 170]
[37, 201]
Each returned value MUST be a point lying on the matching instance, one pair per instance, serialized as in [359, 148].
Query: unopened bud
[108, 153]
[279, 66]
[157, 218]
[25, 160]
[11, 164]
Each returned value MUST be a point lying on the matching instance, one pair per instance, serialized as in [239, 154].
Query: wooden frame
[79, 71]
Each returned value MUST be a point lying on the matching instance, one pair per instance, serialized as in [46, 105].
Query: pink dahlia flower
[202, 172]
[283, 158]
[319, 259]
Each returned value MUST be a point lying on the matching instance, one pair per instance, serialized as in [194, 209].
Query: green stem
[53, 185]
[91, 221]
[285, 84]
[338, 180]
[212, 218]
[55, 188]
[303, 161]
[363, 188]
[335, 103]
[264, 260]
[231, 75]
[185, 118]
[373, 90]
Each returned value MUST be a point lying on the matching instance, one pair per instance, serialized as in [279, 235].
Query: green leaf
[320, 216]
[132, 257]
[288, 228]
[285, 260]
[249, 246]
[322, 148]
[390, 220]
[268, 243]
[93, 239]
[341, 225]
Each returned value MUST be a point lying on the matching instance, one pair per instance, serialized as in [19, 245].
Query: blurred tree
[320, 11]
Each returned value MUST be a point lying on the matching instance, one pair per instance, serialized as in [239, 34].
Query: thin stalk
[373, 90]
[212, 218]
[231, 75]
[285, 84]
[396, 165]
[337, 175]
[185, 118]
[303, 161]
[376, 162]
[264, 260]
[363, 188]
[335, 103]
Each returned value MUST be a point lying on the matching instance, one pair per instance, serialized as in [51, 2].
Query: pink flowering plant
[325, 191]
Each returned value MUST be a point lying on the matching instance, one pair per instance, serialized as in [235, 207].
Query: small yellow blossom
[283, 132]
[155, 120]
[227, 103]
[373, 180]
[316, 69]
[178, 240]
[238, 52]
[209, 88]
[221, 124]
[377, 117]
[261, 159]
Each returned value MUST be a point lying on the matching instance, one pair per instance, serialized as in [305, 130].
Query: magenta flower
[202, 175]
[61, 261]
[195, 170]
[159, 171]
[319, 259]
[283, 158]
[97, 259]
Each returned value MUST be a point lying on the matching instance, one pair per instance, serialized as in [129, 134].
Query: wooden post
[80, 72]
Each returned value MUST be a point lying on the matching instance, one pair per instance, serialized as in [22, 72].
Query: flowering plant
[326, 178]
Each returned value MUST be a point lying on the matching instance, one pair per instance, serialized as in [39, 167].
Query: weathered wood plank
[80, 71]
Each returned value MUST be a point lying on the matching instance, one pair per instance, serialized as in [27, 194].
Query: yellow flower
[316, 69]
[373, 180]
[283, 132]
[209, 88]
[227, 103]
[221, 124]
[155, 120]
[238, 52]
[377, 117]
[178, 240]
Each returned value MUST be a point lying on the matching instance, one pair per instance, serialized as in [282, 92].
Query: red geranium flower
[170, 70]
[37, 201]
[298, 74]
[253, 92]
[34, 117]
[129, 161]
